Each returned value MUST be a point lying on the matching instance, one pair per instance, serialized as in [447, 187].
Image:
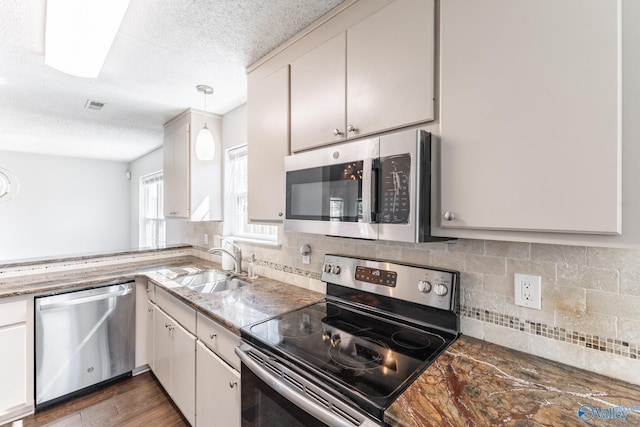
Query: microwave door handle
[369, 191]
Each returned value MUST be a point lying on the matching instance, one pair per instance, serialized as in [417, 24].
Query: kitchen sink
[210, 281]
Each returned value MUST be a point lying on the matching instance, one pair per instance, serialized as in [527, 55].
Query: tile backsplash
[590, 316]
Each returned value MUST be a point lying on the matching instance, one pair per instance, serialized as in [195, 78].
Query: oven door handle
[320, 412]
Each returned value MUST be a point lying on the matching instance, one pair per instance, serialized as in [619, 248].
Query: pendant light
[205, 144]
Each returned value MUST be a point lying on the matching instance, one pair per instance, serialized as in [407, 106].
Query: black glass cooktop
[368, 355]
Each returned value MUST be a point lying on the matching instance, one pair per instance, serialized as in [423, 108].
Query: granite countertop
[475, 383]
[261, 299]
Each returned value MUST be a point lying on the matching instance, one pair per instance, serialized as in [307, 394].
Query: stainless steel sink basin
[210, 281]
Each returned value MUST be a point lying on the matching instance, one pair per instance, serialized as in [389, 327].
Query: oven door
[273, 395]
[332, 190]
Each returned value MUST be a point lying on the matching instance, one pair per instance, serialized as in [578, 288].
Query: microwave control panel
[395, 183]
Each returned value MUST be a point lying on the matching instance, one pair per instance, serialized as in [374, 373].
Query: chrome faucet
[236, 256]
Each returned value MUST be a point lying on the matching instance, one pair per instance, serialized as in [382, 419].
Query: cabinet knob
[149, 310]
[232, 384]
[280, 214]
[212, 336]
[449, 216]
[352, 129]
[337, 132]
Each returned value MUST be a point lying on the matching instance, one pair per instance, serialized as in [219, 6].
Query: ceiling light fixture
[205, 144]
[79, 34]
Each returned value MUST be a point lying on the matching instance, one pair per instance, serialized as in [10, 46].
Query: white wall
[145, 165]
[65, 206]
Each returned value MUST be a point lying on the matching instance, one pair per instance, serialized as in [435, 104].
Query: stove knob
[441, 290]
[335, 340]
[424, 286]
[335, 269]
[327, 268]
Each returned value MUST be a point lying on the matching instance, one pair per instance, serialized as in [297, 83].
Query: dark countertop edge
[66, 258]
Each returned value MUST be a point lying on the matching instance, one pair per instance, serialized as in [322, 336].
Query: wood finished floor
[137, 401]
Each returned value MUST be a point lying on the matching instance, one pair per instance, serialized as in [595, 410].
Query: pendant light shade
[205, 144]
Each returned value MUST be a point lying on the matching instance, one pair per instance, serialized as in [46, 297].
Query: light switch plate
[527, 291]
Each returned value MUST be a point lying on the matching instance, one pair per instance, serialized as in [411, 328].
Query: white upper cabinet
[390, 68]
[375, 76]
[192, 187]
[268, 144]
[318, 98]
[530, 116]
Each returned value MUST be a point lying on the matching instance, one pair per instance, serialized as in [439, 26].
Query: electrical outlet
[527, 290]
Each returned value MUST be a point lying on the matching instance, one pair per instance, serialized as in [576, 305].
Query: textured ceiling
[164, 48]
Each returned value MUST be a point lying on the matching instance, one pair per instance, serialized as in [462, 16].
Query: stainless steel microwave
[376, 188]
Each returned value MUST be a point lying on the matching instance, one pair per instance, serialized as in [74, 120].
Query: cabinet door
[183, 372]
[318, 95]
[530, 115]
[218, 391]
[176, 169]
[13, 367]
[162, 348]
[268, 135]
[390, 68]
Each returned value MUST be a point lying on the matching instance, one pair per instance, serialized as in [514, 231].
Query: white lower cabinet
[193, 358]
[217, 390]
[175, 362]
[16, 359]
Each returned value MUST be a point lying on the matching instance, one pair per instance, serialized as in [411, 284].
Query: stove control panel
[376, 276]
[422, 285]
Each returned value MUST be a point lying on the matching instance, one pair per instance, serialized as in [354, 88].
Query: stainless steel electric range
[344, 360]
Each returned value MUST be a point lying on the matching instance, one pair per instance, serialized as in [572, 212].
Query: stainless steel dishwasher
[83, 338]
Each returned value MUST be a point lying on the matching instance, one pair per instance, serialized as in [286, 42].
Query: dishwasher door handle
[56, 301]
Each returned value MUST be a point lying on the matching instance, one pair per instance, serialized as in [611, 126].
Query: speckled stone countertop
[475, 383]
[261, 299]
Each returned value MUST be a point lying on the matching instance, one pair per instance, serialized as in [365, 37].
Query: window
[236, 219]
[152, 223]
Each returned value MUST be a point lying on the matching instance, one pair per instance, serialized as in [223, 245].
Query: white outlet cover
[535, 291]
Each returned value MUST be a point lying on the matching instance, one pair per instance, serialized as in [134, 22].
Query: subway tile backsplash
[590, 315]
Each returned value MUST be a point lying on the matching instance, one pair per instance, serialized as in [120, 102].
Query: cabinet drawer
[13, 312]
[181, 312]
[219, 339]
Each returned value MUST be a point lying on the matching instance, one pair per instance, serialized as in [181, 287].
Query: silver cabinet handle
[212, 336]
[232, 384]
[449, 216]
[352, 129]
[337, 132]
